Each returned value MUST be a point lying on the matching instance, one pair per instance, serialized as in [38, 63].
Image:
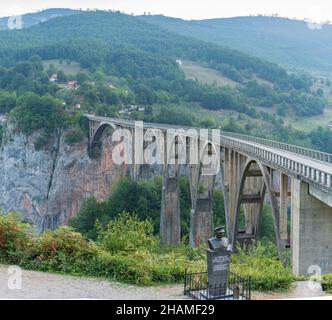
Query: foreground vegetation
[126, 250]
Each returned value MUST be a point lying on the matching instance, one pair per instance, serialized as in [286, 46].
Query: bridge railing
[314, 154]
[231, 140]
[317, 155]
[309, 173]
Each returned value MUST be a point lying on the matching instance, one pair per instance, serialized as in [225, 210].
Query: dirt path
[300, 290]
[39, 285]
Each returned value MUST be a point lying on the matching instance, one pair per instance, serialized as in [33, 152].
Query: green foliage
[7, 101]
[327, 282]
[14, 238]
[128, 234]
[266, 229]
[131, 255]
[74, 136]
[127, 251]
[34, 112]
[322, 139]
[261, 264]
[143, 56]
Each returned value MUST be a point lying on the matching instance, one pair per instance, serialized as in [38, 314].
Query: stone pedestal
[218, 262]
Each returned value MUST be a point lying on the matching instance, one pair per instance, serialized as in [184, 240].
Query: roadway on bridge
[315, 164]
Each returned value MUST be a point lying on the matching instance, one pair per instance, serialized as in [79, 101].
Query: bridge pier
[283, 204]
[248, 167]
[170, 230]
[201, 215]
[311, 231]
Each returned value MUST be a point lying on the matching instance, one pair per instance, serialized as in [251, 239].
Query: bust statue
[218, 263]
[219, 240]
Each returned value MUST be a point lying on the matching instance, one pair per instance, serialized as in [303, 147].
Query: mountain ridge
[291, 43]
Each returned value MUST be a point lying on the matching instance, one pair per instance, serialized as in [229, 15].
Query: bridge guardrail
[228, 139]
[318, 176]
[317, 155]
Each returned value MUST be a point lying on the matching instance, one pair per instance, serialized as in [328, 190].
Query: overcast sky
[316, 10]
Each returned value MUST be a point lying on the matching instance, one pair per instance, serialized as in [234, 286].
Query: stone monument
[218, 261]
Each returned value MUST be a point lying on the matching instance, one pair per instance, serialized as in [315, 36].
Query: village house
[72, 85]
[54, 78]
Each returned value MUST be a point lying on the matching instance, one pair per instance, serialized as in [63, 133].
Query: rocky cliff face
[49, 186]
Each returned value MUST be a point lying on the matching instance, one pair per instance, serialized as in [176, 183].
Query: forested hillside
[292, 43]
[125, 61]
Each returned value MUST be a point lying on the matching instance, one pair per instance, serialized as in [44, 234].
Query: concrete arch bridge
[296, 181]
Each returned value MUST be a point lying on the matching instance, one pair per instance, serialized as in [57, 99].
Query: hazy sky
[316, 10]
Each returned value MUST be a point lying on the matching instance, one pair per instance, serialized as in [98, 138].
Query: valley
[69, 210]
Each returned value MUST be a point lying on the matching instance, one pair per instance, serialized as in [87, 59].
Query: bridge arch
[98, 132]
[266, 187]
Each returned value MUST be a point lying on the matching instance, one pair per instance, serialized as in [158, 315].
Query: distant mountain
[291, 43]
[146, 55]
[31, 19]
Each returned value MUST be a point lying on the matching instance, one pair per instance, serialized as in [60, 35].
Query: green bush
[74, 136]
[127, 251]
[262, 265]
[327, 282]
[15, 239]
[128, 234]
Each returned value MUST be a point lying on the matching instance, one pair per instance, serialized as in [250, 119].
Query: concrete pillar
[249, 209]
[201, 215]
[201, 220]
[311, 230]
[170, 231]
[283, 222]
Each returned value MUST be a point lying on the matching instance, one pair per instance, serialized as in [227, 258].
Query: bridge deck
[313, 166]
[313, 163]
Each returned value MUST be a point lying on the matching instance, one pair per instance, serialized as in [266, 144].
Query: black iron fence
[197, 287]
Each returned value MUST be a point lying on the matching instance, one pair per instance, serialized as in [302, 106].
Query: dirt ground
[39, 285]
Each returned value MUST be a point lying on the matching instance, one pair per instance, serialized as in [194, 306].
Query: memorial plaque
[218, 261]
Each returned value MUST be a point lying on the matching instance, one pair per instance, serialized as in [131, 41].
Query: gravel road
[40, 285]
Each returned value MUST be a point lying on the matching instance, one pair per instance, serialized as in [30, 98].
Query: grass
[72, 68]
[205, 75]
[307, 124]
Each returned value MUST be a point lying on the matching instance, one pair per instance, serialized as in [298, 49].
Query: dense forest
[292, 43]
[125, 61]
[124, 46]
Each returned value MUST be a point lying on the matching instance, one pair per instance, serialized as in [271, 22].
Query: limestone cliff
[49, 186]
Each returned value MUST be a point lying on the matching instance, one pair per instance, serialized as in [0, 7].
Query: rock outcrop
[49, 186]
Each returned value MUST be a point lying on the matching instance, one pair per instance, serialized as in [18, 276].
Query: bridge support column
[311, 231]
[283, 224]
[201, 220]
[170, 231]
[201, 215]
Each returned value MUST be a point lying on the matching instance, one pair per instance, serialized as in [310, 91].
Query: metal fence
[196, 286]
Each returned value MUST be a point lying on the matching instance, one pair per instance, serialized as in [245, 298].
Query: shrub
[127, 251]
[327, 282]
[15, 240]
[74, 136]
[261, 264]
[128, 234]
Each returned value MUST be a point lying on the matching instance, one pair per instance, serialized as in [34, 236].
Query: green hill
[119, 61]
[145, 56]
[291, 43]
